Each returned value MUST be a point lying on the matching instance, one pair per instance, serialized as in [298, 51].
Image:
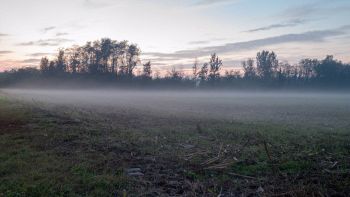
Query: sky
[174, 33]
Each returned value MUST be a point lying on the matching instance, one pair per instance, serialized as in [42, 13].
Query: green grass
[60, 151]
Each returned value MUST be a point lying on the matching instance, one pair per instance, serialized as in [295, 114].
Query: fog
[327, 109]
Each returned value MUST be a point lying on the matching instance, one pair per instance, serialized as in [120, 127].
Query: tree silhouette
[249, 69]
[60, 62]
[328, 69]
[215, 65]
[203, 73]
[52, 67]
[232, 74]
[103, 56]
[175, 74]
[132, 59]
[147, 70]
[307, 67]
[195, 69]
[267, 64]
[44, 65]
[106, 51]
[73, 59]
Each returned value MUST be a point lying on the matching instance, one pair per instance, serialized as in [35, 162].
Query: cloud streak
[39, 54]
[31, 61]
[47, 29]
[306, 37]
[46, 42]
[212, 2]
[5, 52]
[292, 23]
[61, 34]
[199, 42]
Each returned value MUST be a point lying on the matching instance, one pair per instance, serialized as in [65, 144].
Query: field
[172, 143]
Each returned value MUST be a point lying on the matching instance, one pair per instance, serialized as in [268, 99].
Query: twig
[209, 161]
[286, 193]
[267, 151]
[219, 153]
[243, 176]
[196, 153]
[221, 165]
[334, 164]
[270, 158]
[214, 159]
[337, 172]
[220, 192]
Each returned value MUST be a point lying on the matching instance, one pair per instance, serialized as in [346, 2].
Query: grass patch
[251, 169]
[293, 167]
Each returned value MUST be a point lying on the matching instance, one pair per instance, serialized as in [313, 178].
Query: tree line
[107, 58]
[103, 56]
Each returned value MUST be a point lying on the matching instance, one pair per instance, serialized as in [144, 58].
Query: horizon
[173, 34]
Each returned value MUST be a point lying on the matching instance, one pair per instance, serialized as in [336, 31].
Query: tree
[73, 59]
[44, 65]
[267, 64]
[88, 56]
[60, 62]
[329, 69]
[281, 74]
[203, 73]
[120, 52]
[174, 74]
[133, 59]
[147, 70]
[157, 75]
[96, 63]
[307, 67]
[249, 69]
[115, 51]
[232, 74]
[52, 67]
[195, 69]
[83, 60]
[215, 65]
[106, 45]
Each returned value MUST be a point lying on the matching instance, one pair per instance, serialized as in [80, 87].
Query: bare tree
[175, 74]
[73, 59]
[249, 69]
[44, 65]
[215, 65]
[147, 70]
[203, 73]
[60, 62]
[195, 69]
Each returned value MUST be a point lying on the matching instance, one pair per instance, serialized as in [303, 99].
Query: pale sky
[175, 32]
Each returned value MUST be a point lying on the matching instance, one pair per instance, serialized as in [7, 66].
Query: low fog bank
[312, 108]
[98, 83]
